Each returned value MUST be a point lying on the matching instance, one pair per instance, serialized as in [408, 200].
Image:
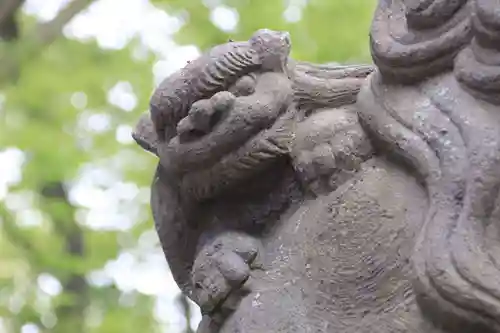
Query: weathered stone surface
[318, 198]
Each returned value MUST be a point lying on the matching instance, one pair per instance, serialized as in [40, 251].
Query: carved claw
[221, 269]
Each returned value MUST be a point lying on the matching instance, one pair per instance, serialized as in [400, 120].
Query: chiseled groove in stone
[431, 13]
[478, 66]
[440, 269]
[425, 52]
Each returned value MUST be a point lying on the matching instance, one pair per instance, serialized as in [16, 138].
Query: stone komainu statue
[293, 197]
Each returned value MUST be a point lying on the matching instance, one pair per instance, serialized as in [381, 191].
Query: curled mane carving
[410, 40]
[452, 142]
[478, 67]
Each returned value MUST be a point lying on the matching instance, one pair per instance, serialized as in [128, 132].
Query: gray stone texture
[295, 197]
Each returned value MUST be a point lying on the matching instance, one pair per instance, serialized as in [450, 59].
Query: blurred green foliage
[38, 83]
[335, 30]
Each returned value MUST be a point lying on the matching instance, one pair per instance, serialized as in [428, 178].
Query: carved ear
[145, 135]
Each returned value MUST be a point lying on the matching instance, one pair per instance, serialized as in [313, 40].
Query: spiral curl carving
[477, 67]
[412, 40]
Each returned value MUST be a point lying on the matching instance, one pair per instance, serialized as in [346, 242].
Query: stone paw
[221, 270]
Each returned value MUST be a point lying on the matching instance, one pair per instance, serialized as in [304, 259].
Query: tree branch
[8, 8]
[46, 33]
[8, 22]
[23, 243]
[75, 286]
[32, 44]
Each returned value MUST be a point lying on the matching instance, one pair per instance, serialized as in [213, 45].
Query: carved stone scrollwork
[478, 66]
[430, 14]
[415, 38]
[294, 197]
[451, 141]
[230, 130]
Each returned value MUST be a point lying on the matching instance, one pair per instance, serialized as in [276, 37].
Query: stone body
[321, 198]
